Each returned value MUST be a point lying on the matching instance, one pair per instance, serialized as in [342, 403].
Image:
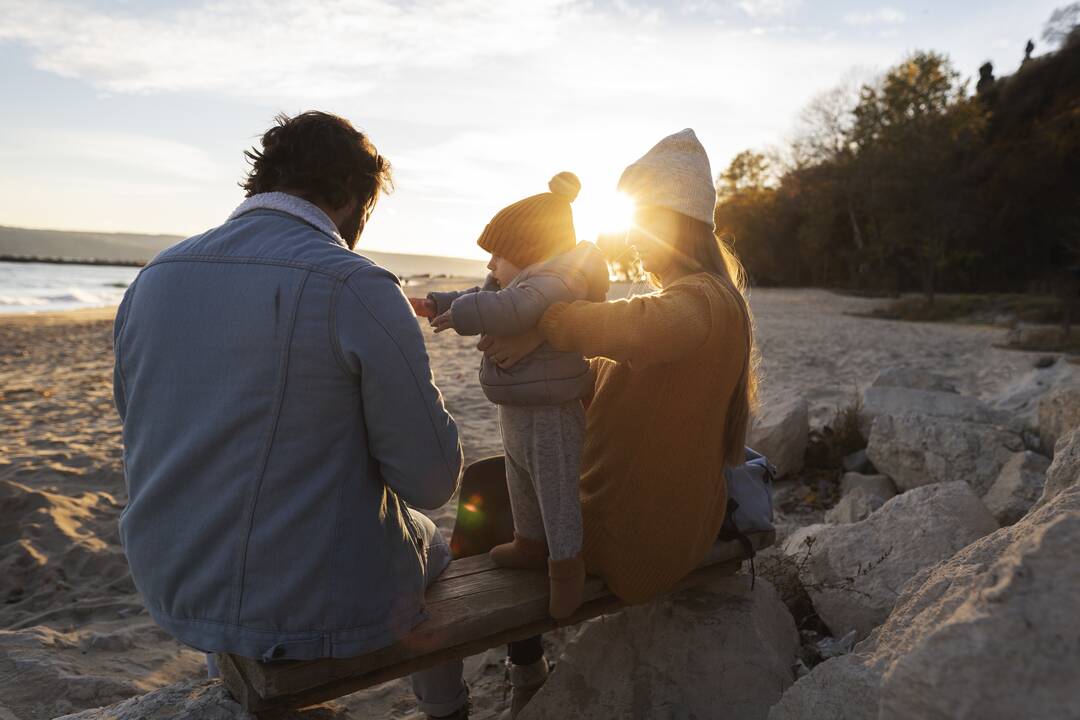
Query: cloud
[768, 8]
[880, 16]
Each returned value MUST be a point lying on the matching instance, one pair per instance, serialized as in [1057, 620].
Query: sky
[130, 116]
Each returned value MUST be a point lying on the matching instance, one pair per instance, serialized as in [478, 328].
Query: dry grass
[1037, 309]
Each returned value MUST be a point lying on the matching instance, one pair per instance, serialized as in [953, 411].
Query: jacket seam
[265, 452]
[412, 372]
[335, 341]
[119, 339]
[199, 257]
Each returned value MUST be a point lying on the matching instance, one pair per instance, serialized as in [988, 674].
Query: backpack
[750, 502]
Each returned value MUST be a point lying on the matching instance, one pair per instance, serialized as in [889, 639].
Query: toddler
[535, 262]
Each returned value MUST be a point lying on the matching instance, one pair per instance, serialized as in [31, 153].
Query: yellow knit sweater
[652, 486]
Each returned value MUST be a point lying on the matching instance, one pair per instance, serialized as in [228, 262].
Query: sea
[27, 287]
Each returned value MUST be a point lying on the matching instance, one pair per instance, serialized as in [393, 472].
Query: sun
[602, 212]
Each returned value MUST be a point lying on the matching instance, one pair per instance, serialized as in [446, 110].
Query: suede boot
[523, 552]
[567, 582]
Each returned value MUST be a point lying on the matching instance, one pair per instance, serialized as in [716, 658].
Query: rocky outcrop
[992, 632]
[854, 573]
[879, 401]
[879, 485]
[1017, 487]
[917, 450]
[855, 505]
[779, 432]
[1059, 412]
[720, 649]
[1022, 396]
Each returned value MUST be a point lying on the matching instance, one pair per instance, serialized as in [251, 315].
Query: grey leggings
[543, 469]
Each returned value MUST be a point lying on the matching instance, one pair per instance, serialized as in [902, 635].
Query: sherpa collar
[292, 205]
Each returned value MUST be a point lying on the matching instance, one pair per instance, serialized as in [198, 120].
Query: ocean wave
[71, 297]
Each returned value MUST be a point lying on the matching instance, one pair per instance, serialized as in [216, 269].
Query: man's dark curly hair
[320, 157]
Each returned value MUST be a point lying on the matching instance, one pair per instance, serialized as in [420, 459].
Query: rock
[854, 506]
[717, 649]
[779, 432]
[1017, 487]
[1022, 396]
[854, 573]
[197, 700]
[992, 632]
[839, 689]
[856, 462]
[878, 401]
[1059, 412]
[913, 379]
[916, 450]
[875, 484]
[1065, 468]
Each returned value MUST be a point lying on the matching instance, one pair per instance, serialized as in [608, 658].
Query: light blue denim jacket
[279, 418]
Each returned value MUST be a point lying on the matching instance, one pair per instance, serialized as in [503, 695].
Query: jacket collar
[291, 205]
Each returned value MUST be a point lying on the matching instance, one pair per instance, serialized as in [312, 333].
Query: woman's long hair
[700, 250]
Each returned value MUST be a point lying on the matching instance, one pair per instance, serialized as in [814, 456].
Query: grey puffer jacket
[546, 376]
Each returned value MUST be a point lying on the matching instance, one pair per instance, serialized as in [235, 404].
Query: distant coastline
[69, 261]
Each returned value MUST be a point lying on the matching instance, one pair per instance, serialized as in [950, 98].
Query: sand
[73, 633]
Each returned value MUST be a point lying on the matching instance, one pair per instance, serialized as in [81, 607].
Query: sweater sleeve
[515, 309]
[649, 329]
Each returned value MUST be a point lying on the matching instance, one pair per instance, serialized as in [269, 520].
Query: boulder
[1065, 468]
[854, 573]
[856, 462]
[717, 649]
[879, 485]
[197, 700]
[917, 450]
[1017, 487]
[779, 432]
[914, 379]
[992, 632]
[1059, 412]
[878, 401]
[854, 506]
[1021, 397]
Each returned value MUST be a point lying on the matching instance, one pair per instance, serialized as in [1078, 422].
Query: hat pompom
[565, 184]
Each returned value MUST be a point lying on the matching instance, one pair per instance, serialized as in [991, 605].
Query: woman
[674, 388]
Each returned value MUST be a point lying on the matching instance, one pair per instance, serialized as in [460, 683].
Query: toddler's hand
[423, 307]
[443, 322]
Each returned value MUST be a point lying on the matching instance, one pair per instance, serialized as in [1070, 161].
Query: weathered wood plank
[472, 607]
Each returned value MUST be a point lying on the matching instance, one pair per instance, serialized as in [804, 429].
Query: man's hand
[423, 307]
[507, 351]
[443, 322]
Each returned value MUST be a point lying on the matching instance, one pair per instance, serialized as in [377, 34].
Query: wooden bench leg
[238, 685]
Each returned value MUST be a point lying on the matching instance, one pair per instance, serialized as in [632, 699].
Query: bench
[472, 607]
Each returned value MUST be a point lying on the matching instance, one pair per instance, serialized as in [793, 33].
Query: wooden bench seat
[472, 607]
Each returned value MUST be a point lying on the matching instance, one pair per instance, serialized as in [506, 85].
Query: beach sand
[73, 633]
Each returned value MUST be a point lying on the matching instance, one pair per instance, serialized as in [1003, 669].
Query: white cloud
[880, 16]
[768, 8]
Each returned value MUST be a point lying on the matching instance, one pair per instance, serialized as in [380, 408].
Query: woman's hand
[507, 351]
[443, 322]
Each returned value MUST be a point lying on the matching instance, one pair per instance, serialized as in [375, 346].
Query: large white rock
[855, 505]
[1059, 412]
[887, 400]
[1021, 396]
[719, 650]
[1065, 469]
[854, 573]
[779, 432]
[1017, 487]
[992, 632]
[917, 450]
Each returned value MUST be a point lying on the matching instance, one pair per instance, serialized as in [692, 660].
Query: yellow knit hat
[536, 228]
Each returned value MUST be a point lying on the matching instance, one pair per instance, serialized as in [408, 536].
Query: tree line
[916, 182]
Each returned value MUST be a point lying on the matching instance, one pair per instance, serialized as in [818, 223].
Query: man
[280, 421]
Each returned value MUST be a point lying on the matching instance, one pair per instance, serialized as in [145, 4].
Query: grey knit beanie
[676, 175]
